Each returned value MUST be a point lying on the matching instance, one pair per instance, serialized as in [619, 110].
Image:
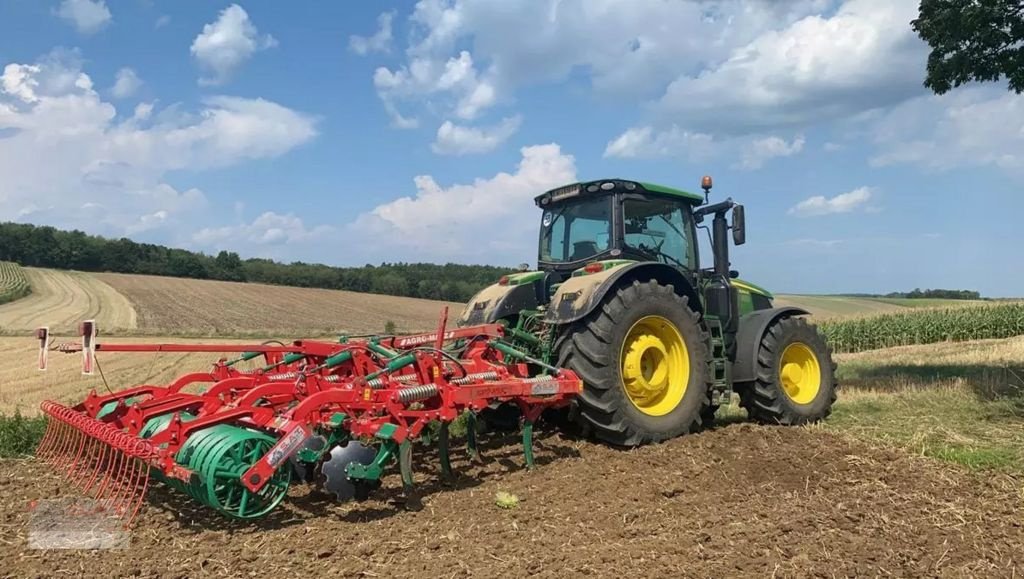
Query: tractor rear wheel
[796, 382]
[643, 358]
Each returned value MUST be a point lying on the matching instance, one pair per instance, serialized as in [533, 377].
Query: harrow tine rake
[346, 410]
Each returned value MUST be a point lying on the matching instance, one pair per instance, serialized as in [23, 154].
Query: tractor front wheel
[643, 358]
[796, 382]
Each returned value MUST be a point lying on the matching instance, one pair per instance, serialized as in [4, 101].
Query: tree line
[45, 246]
[917, 293]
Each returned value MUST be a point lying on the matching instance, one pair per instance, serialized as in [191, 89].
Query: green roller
[218, 456]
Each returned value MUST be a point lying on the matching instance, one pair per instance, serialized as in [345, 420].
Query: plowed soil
[739, 500]
[205, 307]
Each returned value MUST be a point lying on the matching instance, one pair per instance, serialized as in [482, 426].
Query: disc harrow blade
[99, 460]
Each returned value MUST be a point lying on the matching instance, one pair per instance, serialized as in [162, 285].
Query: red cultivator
[336, 412]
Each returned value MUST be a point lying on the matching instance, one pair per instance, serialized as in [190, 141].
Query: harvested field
[168, 305]
[740, 500]
[833, 307]
[60, 299]
[22, 387]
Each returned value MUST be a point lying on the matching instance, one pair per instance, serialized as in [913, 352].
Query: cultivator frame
[346, 409]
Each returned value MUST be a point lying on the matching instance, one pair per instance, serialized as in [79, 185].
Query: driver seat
[583, 250]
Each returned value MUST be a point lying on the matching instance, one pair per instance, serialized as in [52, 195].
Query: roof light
[591, 188]
[607, 185]
[705, 182]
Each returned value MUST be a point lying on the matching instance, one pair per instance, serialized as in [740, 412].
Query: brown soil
[739, 500]
[205, 307]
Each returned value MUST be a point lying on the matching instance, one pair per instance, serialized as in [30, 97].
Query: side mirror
[739, 226]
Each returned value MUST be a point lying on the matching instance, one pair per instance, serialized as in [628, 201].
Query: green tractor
[620, 297]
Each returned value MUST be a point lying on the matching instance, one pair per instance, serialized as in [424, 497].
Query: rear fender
[748, 339]
[498, 301]
[578, 296]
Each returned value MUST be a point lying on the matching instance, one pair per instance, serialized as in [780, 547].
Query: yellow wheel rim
[800, 373]
[655, 365]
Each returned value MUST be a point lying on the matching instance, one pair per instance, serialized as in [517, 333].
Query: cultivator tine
[98, 459]
[471, 442]
[443, 451]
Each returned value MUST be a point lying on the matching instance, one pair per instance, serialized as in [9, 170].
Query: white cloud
[87, 16]
[66, 159]
[227, 43]
[454, 139]
[675, 142]
[964, 128]
[458, 222]
[457, 77]
[646, 142]
[379, 42]
[162, 21]
[863, 57]
[746, 67]
[270, 228]
[758, 151]
[842, 203]
[125, 83]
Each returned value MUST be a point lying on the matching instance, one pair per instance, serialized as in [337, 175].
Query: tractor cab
[616, 220]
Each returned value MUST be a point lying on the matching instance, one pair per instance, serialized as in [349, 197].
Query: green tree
[972, 41]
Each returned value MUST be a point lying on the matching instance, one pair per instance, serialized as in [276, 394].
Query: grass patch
[19, 435]
[949, 423]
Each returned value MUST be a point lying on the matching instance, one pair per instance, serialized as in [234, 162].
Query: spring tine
[59, 439]
[67, 452]
[89, 474]
[101, 461]
[140, 496]
[120, 484]
[130, 488]
[47, 440]
[43, 450]
[73, 464]
[110, 478]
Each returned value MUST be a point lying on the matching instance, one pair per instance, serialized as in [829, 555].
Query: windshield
[576, 231]
[659, 228]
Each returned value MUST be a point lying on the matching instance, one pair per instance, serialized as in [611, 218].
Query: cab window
[660, 229]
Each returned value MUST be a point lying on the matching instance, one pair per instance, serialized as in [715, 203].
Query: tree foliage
[972, 41]
[44, 246]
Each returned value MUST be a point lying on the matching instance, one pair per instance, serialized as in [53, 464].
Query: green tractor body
[620, 297]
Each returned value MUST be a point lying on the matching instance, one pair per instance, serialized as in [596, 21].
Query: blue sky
[361, 132]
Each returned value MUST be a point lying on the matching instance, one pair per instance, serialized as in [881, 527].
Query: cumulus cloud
[67, 160]
[460, 220]
[842, 203]
[675, 142]
[125, 83]
[379, 42]
[227, 43]
[864, 56]
[454, 139]
[646, 142]
[457, 77]
[965, 128]
[269, 229]
[758, 151]
[87, 16]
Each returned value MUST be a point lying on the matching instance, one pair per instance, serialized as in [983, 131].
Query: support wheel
[796, 382]
[643, 358]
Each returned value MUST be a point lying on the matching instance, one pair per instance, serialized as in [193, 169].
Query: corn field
[13, 284]
[926, 327]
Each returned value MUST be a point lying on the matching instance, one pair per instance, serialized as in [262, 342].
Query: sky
[361, 132]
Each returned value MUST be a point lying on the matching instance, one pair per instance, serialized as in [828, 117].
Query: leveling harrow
[335, 412]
